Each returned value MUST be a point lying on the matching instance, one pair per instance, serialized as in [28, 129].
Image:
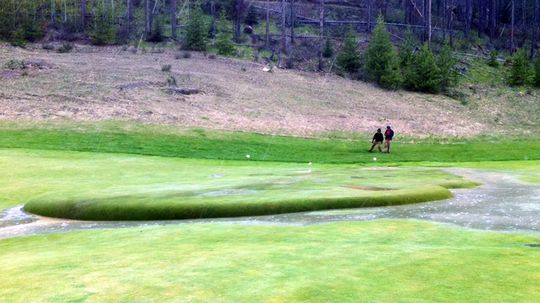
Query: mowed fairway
[379, 261]
[96, 186]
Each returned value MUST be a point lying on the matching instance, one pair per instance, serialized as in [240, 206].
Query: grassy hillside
[97, 84]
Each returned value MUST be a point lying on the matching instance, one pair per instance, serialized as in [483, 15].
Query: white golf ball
[248, 156]
[374, 158]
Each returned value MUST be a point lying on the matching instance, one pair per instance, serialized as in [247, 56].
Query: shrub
[186, 55]
[251, 18]
[349, 58]
[171, 80]
[47, 46]
[536, 81]
[15, 64]
[18, 38]
[212, 56]
[166, 68]
[196, 32]
[65, 48]
[328, 50]
[382, 63]
[520, 71]
[224, 44]
[492, 61]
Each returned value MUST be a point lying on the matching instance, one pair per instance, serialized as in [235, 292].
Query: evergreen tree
[328, 50]
[382, 63]
[196, 32]
[446, 64]
[520, 72]
[425, 75]
[406, 58]
[224, 43]
[349, 58]
[103, 31]
[537, 71]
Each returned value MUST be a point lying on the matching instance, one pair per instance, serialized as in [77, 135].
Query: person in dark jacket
[388, 135]
[377, 140]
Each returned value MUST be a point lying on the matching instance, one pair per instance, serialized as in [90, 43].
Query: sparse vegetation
[66, 47]
[166, 68]
[520, 71]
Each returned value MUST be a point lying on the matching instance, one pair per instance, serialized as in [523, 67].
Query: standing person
[388, 135]
[377, 140]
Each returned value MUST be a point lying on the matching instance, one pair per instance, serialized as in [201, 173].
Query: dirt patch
[96, 84]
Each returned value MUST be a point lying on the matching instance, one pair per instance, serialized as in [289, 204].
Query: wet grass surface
[205, 144]
[94, 186]
[379, 261]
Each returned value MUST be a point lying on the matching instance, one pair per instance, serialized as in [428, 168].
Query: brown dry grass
[95, 84]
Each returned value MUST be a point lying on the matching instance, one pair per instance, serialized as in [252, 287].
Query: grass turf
[96, 186]
[379, 261]
[205, 144]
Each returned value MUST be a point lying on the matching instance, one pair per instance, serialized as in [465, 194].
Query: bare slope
[108, 83]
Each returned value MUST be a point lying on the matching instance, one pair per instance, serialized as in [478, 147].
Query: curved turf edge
[106, 210]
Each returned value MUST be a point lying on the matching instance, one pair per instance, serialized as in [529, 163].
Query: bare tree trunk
[481, 17]
[427, 21]
[128, 16]
[283, 44]
[83, 13]
[147, 14]
[173, 18]
[512, 23]
[64, 2]
[321, 34]
[53, 11]
[112, 9]
[534, 44]
[468, 16]
[213, 25]
[293, 19]
[492, 19]
[445, 18]
[369, 15]
[267, 23]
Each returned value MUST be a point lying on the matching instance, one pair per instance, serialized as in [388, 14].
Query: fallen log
[181, 90]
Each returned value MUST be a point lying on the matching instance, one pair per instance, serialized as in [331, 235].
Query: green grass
[205, 144]
[97, 186]
[379, 261]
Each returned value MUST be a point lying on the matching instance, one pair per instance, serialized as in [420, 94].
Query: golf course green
[110, 173]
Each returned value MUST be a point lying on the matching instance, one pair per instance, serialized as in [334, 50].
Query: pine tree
[520, 72]
[382, 63]
[328, 50]
[103, 31]
[349, 58]
[446, 64]
[537, 71]
[251, 17]
[196, 32]
[425, 75]
[406, 58]
[224, 44]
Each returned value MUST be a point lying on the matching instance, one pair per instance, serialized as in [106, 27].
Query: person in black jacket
[388, 135]
[377, 140]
